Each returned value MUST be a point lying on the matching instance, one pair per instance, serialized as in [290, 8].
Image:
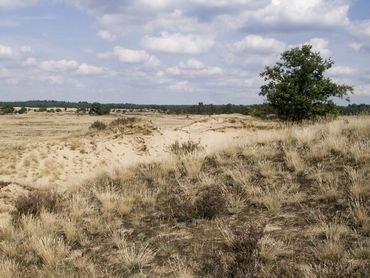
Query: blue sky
[172, 51]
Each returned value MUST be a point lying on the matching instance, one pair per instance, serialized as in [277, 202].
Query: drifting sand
[44, 149]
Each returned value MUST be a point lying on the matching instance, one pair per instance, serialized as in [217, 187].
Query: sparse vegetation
[185, 148]
[289, 202]
[98, 125]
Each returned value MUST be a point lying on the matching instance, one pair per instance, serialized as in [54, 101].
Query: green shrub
[7, 109]
[99, 109]
[42, 109]
[23, 110]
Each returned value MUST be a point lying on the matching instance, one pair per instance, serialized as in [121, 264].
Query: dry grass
[290, 202]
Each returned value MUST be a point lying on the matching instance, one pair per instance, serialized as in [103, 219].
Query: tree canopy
[297, 87]
[99, 109]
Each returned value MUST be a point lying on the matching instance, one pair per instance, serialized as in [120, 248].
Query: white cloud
[182, 86]
[256, 43]
[192, 64]
[107, 36]
[293, 14]
[321, 45]
[54, 79]
[104, 55]
[360, 47]
[30, 62]
[361, 28]
[6, 52]
[363, 90]
[356, 46]
[85, 69]
[194, 67]
[61, 65]
[177, 21]
[10, 4]
[342, 70]
[26, 50]
[178, 43]
[135, 56]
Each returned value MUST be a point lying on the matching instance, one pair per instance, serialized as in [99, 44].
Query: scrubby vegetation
[258, 110]
[289, 202]
[185, 148]
[126, 126]
[99, 109]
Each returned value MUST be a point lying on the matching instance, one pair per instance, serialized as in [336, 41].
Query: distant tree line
[258, 110]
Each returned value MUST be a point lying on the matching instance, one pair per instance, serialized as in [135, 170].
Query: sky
[172, 51]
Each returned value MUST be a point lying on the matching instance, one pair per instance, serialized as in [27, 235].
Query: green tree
[7, 109]
[297, 87]
[99, 109]
[23, 110]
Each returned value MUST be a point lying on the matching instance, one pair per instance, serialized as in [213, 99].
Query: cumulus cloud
[10, 4]
[360, 47]
[59, 65]
[182, 86]
[342, 70]
[289, 15]
[321, 45]
[107, 36]
[178, 43]
[6, 52]
[256, 43]
[194, 67]
[9, 52]
[85, 69]
[361, 28]
[30, 61]
[133, 56]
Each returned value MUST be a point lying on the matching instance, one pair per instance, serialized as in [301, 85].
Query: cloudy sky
[172, 51]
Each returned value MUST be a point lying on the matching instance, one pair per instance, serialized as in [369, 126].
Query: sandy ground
[58, 149]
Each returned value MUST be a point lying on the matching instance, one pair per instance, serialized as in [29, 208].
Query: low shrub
[247, 260]
[210, 203]
[123, 122]
[35, 202]
[238, 257]
[98, 125]
[185, 148]
[23, 110]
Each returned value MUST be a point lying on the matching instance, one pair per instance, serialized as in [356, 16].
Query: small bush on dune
[98, 125]
[123, 122]
[185, 148]
[210, 203]
[238, 257]
[35, 202]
